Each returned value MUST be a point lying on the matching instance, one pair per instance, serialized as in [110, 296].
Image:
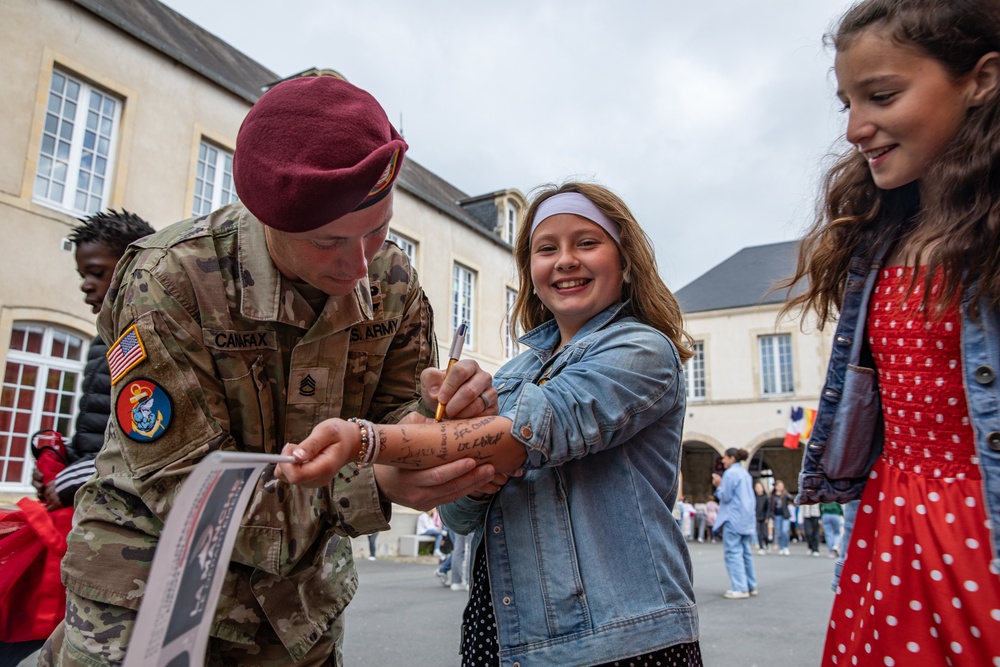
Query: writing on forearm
[443, 451]
[412, 457]
[484, 441]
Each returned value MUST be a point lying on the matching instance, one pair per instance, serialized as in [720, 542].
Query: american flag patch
[125, 354]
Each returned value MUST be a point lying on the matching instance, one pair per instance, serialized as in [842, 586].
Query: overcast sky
[712, 119]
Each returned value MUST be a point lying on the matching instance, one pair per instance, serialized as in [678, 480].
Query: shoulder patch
[127, 353]
[143, 410]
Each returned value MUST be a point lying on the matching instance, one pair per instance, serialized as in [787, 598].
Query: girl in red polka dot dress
[907, 248]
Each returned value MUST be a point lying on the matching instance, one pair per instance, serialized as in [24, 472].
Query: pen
[456, 351]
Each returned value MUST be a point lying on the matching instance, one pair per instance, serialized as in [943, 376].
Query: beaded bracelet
[361, 453]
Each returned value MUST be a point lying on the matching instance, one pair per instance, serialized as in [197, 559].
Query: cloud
[711, 119]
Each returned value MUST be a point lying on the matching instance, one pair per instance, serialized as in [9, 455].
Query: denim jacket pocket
[852, 446]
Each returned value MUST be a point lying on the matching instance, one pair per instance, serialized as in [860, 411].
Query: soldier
[241, 330]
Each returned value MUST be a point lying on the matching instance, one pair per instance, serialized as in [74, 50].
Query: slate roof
[742, 280]
[442, 195]
[186, 42]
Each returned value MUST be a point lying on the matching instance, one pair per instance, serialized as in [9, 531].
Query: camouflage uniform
[248, 365]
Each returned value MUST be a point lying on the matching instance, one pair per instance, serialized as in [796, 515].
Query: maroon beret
[312, 150]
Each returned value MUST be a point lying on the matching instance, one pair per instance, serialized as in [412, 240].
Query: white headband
[575, 204]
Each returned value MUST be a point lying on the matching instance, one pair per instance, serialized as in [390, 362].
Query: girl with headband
[577, 557]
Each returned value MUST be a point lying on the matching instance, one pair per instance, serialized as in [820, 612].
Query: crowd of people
[574, 444]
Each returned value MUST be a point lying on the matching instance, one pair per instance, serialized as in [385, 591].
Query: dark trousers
[812, 532]
[762, 540]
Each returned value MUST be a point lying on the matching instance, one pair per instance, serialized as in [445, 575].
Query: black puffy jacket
[94, 408]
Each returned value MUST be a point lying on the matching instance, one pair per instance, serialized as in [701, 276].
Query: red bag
[32, 544]
[50, 453]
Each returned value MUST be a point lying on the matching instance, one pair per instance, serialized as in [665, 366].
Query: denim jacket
[980, 363]
[586, 562]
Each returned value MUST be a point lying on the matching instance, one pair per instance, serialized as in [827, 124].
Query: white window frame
[77, 151]
[510, 223]
[408, 245]
[511, 348]
[694, 370]
[777, 375]
[463, 301]
[62, 420]
[213, 181]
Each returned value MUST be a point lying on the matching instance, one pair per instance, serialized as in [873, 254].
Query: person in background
[711, 515]
[100, 241]
[429, 523]
[810, 516]
[781, 510]
[592, 413]
[850, 514]
[763, 514]
[737, 520]
[833, 518]
[903, 255]
[700, 519]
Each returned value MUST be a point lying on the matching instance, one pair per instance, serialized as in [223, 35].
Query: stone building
[128, 104]
[750, 367]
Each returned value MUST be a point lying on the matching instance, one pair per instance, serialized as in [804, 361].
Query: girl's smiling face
[575, 269]
[904, 106]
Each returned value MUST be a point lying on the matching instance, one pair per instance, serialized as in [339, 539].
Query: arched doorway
[773, 461]
[698, 462]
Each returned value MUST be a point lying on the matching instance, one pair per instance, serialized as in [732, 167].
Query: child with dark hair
[906, 248]
[100, 242]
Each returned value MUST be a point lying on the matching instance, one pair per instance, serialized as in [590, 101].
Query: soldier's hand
[424, 489]
[330, 446]
[467, 391]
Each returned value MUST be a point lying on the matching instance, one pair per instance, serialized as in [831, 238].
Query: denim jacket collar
[544, 338]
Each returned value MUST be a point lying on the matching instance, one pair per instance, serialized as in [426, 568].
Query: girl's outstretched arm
[334, 443]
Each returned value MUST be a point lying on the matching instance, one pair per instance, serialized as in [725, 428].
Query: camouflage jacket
[233, 357]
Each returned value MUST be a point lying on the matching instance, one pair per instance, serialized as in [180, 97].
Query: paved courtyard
[402, 616]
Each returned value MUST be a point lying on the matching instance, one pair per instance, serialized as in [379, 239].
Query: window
[409, 246]
[75, 159]
[213, 184]
[40, 388]
[510, 225]
[776, 364]
[694, 369]
[462, 305]
[510, 346]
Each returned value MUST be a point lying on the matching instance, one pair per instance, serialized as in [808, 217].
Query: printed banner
[191, 559]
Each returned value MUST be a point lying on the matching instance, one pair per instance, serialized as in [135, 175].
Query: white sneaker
[761, 552]
[736, 595]
[438, 553]
[460, 587]
[442, 577]
[786, 552]
[371, 558]
[753, 592]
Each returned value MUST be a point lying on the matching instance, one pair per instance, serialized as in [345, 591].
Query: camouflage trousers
[95, 634]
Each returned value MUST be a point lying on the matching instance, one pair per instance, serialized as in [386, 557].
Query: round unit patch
[143, 410]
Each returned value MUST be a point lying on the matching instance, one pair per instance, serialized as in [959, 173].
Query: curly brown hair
[950, 221]
[651, 301]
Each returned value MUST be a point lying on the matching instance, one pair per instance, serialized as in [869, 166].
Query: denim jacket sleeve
[465, 514]
[612, 384]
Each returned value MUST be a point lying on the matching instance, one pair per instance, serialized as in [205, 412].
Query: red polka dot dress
[917, 588]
